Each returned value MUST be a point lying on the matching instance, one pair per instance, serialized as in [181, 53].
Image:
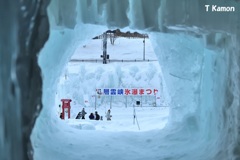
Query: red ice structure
[66, 107]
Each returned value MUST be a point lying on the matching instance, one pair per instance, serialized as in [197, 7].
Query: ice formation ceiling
[25, 31]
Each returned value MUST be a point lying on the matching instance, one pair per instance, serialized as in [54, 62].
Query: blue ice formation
[198, 52]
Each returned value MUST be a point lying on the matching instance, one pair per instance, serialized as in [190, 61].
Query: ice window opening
[181, 59]
[131, 84]
[198, 52]
[194, 75]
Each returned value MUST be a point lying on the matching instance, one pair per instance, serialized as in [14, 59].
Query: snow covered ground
[123, 119]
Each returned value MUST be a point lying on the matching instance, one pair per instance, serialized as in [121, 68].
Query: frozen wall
[199, 58]
[214, 117]
[24, 29]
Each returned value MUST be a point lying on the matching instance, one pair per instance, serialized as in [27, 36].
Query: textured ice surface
[200, 66]
[24, 30]
[209, 118]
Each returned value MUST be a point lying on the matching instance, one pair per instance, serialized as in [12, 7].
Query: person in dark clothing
[97, 117]
[79, 115]
[91, 116]
[61, 115]
[83, 113]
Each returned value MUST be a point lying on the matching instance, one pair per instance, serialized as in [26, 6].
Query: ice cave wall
[222, 123]
[213, 83]
[7, 136]
[24, 30]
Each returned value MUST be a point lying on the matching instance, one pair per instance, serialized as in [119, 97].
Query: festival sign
[126, 91]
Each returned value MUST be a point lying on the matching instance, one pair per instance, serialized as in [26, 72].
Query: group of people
[96, 116]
